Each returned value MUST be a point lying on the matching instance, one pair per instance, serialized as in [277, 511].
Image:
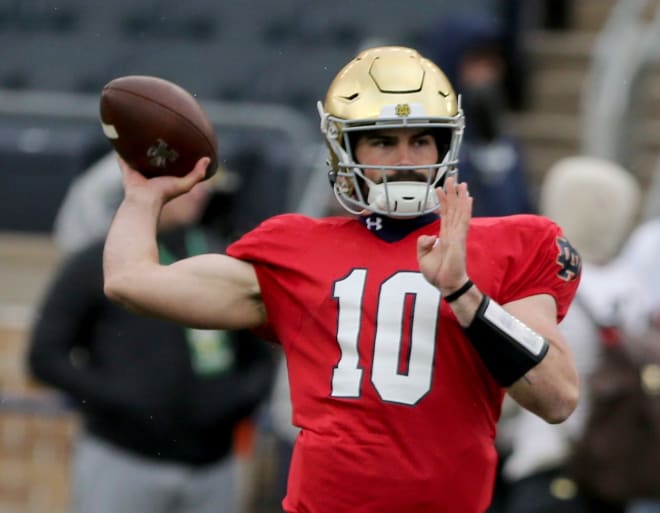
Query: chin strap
[402, 197]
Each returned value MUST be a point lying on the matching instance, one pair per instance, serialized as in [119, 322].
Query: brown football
[156, 126]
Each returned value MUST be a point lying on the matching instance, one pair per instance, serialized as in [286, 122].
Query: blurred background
[580, 77]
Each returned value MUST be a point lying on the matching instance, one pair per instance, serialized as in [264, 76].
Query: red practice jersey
[398, 413]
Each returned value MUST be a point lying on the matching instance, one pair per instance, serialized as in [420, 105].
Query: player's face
[397, 147]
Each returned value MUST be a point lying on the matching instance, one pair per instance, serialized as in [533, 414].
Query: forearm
[51, 365]
[54, 370]
[130, 245]
[550, 390]
[547, 383]
[84, 388]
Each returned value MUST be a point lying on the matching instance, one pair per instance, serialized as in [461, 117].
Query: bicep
[209, 291]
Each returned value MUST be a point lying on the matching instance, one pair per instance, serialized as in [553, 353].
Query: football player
[403, 325]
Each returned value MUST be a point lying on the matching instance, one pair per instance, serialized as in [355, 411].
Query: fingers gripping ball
[156, 126]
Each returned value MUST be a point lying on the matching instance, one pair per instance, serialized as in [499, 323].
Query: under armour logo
[374, 223]
[161, 154]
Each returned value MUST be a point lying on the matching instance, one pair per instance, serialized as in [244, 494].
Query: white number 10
[391, 385]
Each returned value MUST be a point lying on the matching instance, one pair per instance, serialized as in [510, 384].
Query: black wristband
[458, 293]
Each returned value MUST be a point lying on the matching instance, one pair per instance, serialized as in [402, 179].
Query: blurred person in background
[160, 403]
[640, 258]
[596, 203]
[470, 46]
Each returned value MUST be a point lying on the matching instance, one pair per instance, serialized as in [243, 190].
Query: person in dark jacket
[160, 403]
[470, 47]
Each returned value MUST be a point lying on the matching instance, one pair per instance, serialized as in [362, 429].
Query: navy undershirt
[391, 230]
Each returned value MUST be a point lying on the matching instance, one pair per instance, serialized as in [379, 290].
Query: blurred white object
[595, 201]
[89, 205]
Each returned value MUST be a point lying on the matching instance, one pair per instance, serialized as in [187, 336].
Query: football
[157, 126]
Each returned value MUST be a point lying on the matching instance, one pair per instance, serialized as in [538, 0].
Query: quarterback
[403, 325]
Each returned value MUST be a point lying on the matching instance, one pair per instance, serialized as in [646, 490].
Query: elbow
[124, 291]
[112, 290]
[552, 396]
[116, 289]
[39, 366]
[563, 407]
[35, 366]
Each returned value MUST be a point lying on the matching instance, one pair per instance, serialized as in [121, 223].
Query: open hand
[442, 259]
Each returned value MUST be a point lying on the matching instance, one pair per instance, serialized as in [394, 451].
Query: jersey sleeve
[278, 241]
[546, 263]
[272, 248]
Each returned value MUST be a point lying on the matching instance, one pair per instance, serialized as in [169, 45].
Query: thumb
[197, 174]
[201, 167]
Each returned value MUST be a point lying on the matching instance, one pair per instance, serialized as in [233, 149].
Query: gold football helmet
[389, 87]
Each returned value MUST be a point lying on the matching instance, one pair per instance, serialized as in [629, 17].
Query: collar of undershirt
[391, 230]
